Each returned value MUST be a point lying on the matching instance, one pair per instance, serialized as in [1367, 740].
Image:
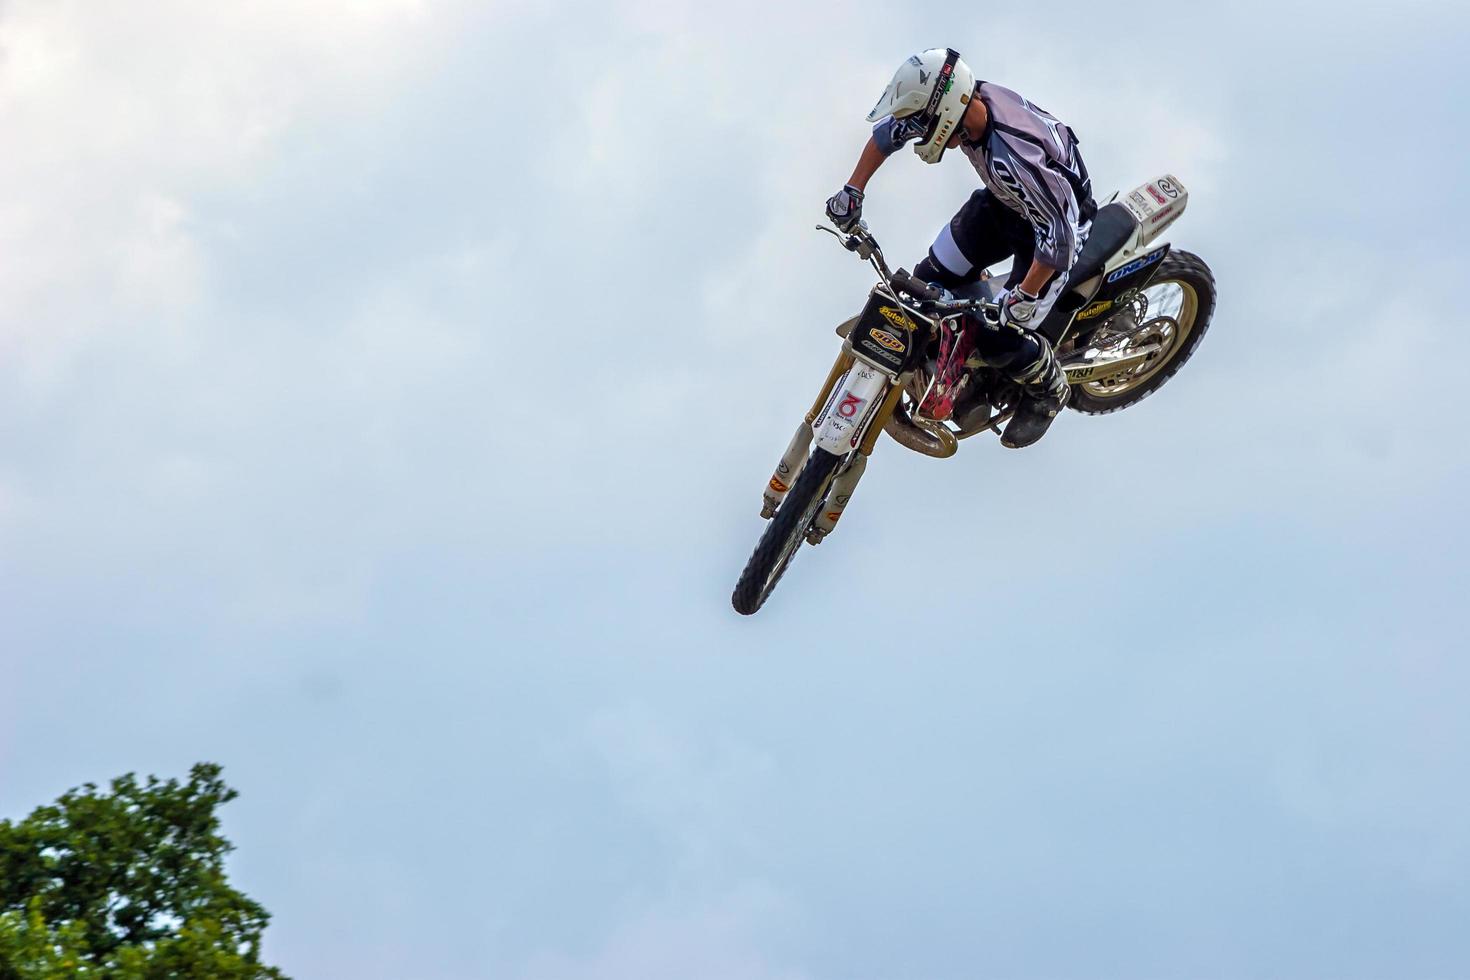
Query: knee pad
[932, 270]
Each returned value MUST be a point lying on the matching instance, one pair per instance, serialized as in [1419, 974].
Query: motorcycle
[1133, 315]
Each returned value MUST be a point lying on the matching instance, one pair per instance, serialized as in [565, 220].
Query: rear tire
[785, 533]
[1197, 285]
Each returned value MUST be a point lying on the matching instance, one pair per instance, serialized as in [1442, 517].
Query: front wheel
[1180, 302]
[785, 533]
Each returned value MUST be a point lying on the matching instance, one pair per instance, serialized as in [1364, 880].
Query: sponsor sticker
[1096, 309]
[1161, 215]
[1153, 192]
[889, 341]
[1136, 265]
[946, 79]
[848, 407]
[1168, 187]
[778, 486]
[895, 317]
[827, 408]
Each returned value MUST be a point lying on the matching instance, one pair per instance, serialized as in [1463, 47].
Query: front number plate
[884, 333]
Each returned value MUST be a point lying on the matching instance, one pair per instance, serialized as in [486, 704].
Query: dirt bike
[1135, 314]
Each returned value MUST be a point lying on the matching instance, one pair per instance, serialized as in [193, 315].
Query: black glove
[845, 208]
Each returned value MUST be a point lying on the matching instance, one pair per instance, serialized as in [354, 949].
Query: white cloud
[117, 117]
[695, 922]
[712, 942]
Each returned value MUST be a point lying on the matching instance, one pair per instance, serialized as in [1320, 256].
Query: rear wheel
[1180, 301]
[785, 533]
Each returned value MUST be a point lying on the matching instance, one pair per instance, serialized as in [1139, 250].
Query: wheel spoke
[1171, 306]
[786, 532]
[794, 539]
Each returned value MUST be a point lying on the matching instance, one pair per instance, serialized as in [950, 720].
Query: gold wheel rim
[1181, 305]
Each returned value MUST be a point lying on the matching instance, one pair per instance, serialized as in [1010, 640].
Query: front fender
[843, 420]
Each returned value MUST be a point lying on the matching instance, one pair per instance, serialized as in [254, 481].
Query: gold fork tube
[839, 367]
[885, 410]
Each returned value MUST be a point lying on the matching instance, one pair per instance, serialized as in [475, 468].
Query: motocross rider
[1036, 205]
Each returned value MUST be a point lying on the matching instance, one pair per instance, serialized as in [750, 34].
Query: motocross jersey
[1029, 161]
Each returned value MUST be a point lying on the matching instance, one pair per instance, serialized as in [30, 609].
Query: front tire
[1195, 286]
[785, 533]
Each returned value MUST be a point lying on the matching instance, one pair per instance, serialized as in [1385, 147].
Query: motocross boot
[1044, 392]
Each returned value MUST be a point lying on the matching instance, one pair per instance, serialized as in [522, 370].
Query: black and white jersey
[1029, 161]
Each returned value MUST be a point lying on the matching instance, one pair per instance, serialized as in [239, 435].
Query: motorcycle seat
[1111, 228]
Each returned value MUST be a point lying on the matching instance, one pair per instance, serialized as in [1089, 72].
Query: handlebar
[918, 290]
[930, 299]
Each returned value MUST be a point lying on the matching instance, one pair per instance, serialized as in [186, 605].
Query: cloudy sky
[386, 390]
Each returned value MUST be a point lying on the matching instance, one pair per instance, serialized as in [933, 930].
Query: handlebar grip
[915, 288]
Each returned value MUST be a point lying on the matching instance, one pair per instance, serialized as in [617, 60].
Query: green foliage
[127, 885]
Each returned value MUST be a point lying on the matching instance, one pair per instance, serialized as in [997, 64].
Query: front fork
[842, 418]
[796, 453]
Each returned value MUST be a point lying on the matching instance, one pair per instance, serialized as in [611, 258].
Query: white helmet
[934, 89]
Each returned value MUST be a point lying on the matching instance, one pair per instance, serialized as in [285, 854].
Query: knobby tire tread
[1184, 266]
[813, 481]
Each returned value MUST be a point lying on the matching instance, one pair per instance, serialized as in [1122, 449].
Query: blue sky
[386, 389]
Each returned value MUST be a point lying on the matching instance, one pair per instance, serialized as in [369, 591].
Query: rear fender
[1156, 204]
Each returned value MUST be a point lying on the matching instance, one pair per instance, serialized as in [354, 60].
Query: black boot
[1044, 392]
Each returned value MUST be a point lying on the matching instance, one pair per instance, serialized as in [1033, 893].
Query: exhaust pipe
[922, 436]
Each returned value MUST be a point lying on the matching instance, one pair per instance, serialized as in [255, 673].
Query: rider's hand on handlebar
[1017, 308]
[845, 208]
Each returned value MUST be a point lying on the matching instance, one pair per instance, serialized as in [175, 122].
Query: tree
[127, 885]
